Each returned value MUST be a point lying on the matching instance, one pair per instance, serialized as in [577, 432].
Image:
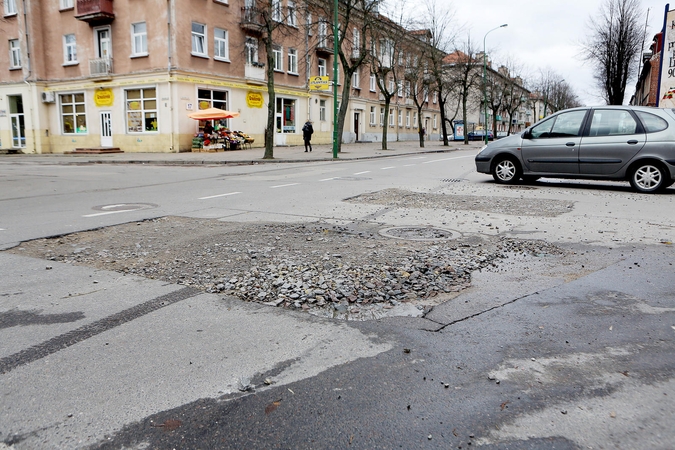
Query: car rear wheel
[506, 171]
[648, 178]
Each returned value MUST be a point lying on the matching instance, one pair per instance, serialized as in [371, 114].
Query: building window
[65, 4]
[292, 61]
[415, 120]
[276, 10]
[73, 114]
[400, 118]
[356, 79]
[69, 49]
[10, 7]
[322, 67]
[221, 49]
[323, 33]
[407, 118]
[285, 115]
[322, 110]
[381, 117]
[391, 117]
[435, 97]
[372, 82]
[278, 58]
[139, 39]
[407, 89]
[356, 43]
[308, 23]
[14, 54]
[399, 88]
[435, 122]
[199, 39]
[207, 98]
[141, 110]
[426, 95]
[251, 50]
[292, 16]
[390, 86]
[372, 116]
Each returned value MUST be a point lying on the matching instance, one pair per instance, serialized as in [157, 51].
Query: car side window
[651, 122]
[612, 122]
[542, 130]
[568, 124]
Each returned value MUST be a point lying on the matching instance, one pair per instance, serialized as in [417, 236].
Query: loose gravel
[338, 271]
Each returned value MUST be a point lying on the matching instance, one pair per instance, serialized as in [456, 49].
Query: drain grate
[419, 233]
[452, 180]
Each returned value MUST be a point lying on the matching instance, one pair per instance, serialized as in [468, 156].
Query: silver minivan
[633, 143]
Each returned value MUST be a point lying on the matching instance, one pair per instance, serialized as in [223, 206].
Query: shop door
[106, 129]
[17, 121]
[356, 125]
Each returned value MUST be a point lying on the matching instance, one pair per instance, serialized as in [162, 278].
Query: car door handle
[571, 144]
[633, 142]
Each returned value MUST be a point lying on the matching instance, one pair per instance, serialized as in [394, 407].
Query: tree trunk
[444, 128]
[269, 130]
[387, 102]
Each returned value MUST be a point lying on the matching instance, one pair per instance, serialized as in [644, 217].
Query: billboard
[666, 96]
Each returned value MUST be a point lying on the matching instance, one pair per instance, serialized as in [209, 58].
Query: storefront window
[207, 98]
[285, 115]
[141, 110]
[73, 114]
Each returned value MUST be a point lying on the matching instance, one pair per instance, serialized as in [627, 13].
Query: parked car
[630, 143]
[480, 135]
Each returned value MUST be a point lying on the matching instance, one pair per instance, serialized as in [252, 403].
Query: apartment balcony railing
[254, 73]
[100, 67]
[251, 19]
[325, 45]
[409, 102]
[95, 12]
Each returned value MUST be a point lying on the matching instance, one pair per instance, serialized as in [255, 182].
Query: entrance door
[103, 43]
[106, 129]
[356, 125]
[17, 121]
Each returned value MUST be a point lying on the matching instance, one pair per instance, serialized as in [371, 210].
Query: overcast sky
[544, 34]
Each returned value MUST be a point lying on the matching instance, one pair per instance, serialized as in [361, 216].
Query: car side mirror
[527, 134]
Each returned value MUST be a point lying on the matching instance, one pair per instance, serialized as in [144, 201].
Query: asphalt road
[574, 352]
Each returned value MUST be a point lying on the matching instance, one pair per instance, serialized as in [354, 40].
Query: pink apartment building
[126, 73]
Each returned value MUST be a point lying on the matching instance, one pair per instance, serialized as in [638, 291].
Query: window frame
[9, 7]
[278, 52]
[381, 117]
[221, 42]
[322, 68]
[142, 36]
[196, 38]
[14, 54]
[407, 118]
[251, 50]
[143, 110]
[74, 114]
[293, 61]
[356, 79]
[69, 47]
[322, 110]
[373, 83]
[372, 116]
[276, 11]
[292, 19]
[65, 5]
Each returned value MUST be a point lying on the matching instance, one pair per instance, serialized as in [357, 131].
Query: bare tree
[614, 46]
[464, 72]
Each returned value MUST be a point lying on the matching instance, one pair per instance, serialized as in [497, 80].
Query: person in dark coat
[307, 131]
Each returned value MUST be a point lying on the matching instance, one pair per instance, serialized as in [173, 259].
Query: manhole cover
[419, 233]
[117, 207]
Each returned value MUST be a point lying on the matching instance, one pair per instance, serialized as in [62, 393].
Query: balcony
[251, 19]
[325, 45]
[95, 12]
[101, 67]
[254, 73]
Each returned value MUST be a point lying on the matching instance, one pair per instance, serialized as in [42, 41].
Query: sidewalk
[249, 156]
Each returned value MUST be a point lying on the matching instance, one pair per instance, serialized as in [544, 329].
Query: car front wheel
[506, 171]
[648, 178]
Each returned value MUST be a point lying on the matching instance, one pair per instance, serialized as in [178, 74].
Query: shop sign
[104, 97]
[254, 99]
[319, 83]
[667, 88]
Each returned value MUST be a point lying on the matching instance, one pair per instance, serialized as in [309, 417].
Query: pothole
[419, 233]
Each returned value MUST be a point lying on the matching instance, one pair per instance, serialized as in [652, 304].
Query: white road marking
[361, 173]
[387, 168]
[329, 179]
[409, 165]
[219, 195]
[448, 159]
[112, 206]
[284, 185]
[110, 212]
[2, 229]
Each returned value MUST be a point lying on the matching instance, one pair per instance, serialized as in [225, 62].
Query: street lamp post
[485, 125]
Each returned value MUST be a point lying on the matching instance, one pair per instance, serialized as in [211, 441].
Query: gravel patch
[398, 198]
[337, 271]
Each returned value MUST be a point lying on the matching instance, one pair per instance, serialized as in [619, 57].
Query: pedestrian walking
[307, 131]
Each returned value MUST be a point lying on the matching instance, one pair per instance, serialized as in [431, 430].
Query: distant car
[630, 143]
[480, 135]
[502, 134]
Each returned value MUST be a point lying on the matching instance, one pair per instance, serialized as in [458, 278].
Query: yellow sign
[319, 83]
[254, 99]
[104, 97]
[204, 105]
